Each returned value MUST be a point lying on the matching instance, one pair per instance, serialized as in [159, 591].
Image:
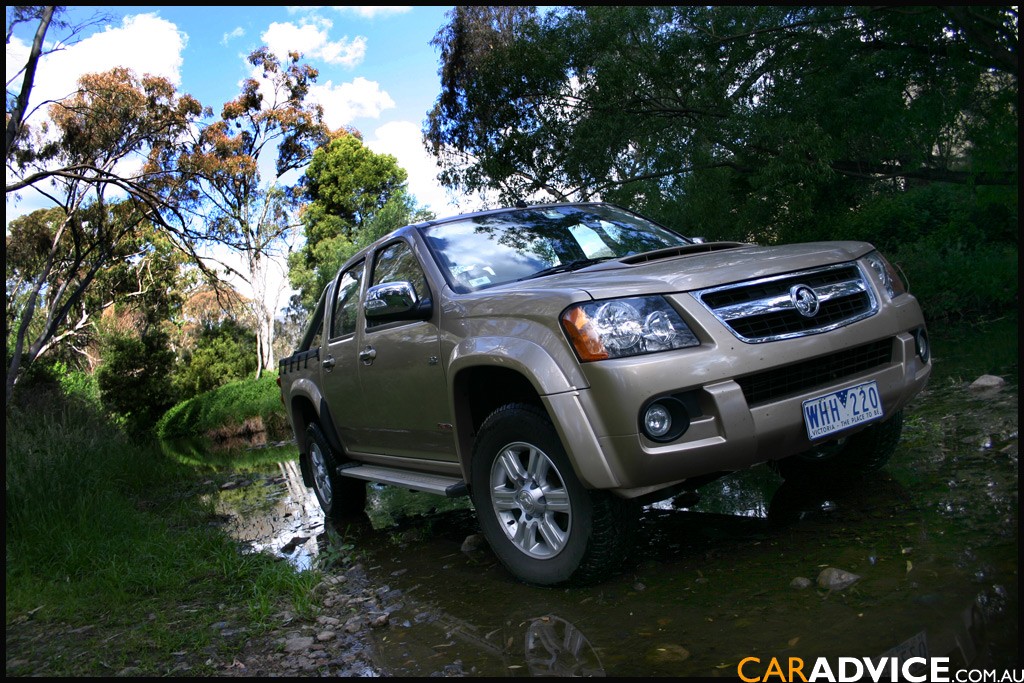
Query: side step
[452, 487]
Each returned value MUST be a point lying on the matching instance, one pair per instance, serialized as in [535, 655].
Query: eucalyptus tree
[21, 79]
[271, 120]
[17, 102]
[102, 162]
[727, 119]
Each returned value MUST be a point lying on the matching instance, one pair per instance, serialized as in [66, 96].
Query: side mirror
[394, 301]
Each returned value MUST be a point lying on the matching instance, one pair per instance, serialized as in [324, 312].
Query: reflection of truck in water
[562, 363]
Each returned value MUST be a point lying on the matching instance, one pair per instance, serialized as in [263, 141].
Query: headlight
[617, 328]
[886, 274]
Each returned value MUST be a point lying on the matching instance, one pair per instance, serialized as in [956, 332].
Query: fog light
[924, 349]
[657, 421]
[664, 419]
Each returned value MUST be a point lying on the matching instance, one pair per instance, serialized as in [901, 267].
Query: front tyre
[339, 497]
[543, 525]
[864, 452]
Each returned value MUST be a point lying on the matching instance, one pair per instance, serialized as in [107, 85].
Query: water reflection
[555, 647]
[273, 512]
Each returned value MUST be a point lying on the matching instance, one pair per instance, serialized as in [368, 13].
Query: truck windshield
[483, 251]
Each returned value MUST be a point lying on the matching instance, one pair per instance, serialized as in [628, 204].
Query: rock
[453, 670]
[293, 544]
[801, 582]
[833, 579]
[298, 643]
[473, 542]
[324, 636]
[668, 653]
[987, 382]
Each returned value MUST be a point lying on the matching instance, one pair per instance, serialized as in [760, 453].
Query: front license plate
[842, 409]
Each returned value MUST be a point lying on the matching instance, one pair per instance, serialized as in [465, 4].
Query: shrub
[959, 280]
[223, 353]
[134, 378]
[956, 245]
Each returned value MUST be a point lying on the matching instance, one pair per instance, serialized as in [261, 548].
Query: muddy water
[933, 538]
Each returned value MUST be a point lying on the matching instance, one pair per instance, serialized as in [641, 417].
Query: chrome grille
[765, 309]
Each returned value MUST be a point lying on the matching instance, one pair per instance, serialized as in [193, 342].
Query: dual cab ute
[563, 364]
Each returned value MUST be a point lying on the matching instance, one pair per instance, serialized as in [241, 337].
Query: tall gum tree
[354, 196]
[270, 120]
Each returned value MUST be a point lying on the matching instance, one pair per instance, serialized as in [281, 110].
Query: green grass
[111, 555]
[226, 406]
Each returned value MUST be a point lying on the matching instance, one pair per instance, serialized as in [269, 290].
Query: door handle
[367, 355]
[328, 363]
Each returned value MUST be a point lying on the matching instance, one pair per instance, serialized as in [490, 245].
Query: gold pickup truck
[563, 364]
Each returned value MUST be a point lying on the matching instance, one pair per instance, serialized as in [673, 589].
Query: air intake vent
[794, 379]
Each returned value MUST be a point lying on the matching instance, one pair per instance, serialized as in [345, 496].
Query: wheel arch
[479, 390]
[488, 373]
[307, 408]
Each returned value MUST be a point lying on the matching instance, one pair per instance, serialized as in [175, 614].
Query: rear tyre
[339, 497]
[540, 521]
[864, 452]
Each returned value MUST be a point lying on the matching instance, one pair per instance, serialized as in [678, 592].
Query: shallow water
[933, 538]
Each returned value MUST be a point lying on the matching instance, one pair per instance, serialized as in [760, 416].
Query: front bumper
[736, 427]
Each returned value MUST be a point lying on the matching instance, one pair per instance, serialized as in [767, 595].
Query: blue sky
[377, 70]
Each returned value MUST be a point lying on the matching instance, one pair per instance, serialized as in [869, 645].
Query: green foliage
[958, 280]
[78, 384]
[351, 182]
[222, 354]
[104, 254]
[356, 196]
[946, 213]
[956, 246]
[134, 378]
[77, 257]
[766, 124]
[231, 404]
[798, 107]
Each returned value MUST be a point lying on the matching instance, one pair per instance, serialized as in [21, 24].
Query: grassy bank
[100, 529]
[238, 407]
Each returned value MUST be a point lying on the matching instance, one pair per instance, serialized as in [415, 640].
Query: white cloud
[404, 141]
[311, 40]
[237, 32]
[144, 42]
[361, 11]
[372, 11]
[344, 102]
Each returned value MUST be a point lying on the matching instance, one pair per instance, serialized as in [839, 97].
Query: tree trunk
[18, 114]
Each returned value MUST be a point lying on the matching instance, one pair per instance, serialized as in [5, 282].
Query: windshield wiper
[566, 267]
